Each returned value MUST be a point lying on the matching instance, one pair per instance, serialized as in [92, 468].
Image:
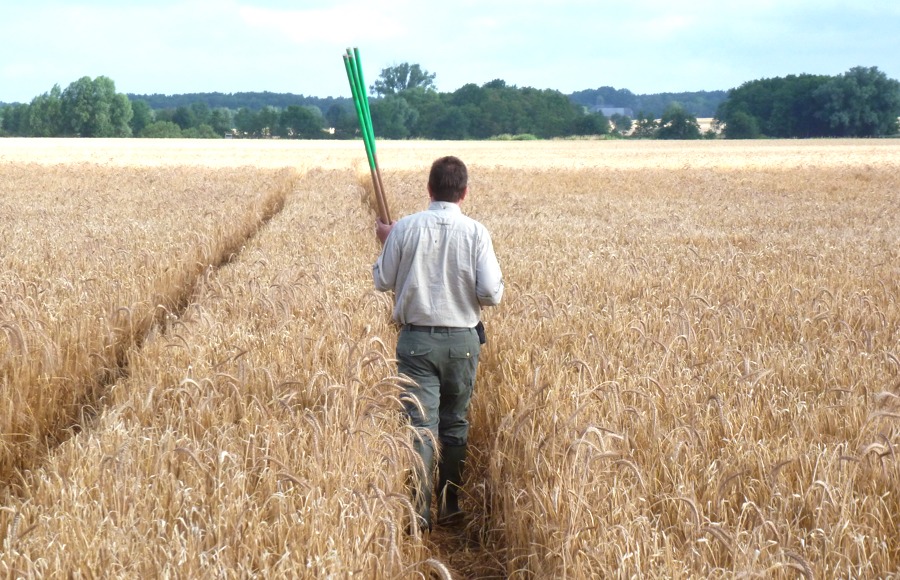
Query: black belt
[417, 328]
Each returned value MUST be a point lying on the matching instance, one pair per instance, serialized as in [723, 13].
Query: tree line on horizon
[405, 104]
[863, 102]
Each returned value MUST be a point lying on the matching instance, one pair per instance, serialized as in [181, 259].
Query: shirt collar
[444, 206]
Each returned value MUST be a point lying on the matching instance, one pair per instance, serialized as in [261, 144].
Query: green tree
[246, 122]
[863, 102]
[142, 115]
[14, 119]
[591, 124]
[221, 120]
[432, 121]
[202, 113]
[496, 108]
[468, 95]
[267, 121]
[342, 120]
[645, 126]
[469, 99]
[300, 123]
[793, 108]
[91, 108]
[164, 115]
[79, 108]
[677, 123]
[701, 104]
[392, 117]
[742, 125]
[549, 113]
[184, 117]
[44, 118]
[402, 77]
[450, 124]
[161, 130]
[121, 113]
[504, 110]
[781, 107]
[201, 131]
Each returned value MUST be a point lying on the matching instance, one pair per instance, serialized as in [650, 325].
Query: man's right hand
[382, 230]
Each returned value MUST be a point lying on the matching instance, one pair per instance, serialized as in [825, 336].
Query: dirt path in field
[468, 551]
[461, 551]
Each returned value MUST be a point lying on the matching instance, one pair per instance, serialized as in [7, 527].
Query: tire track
[129, 333]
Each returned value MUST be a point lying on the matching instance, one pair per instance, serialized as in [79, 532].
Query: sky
[296, 46]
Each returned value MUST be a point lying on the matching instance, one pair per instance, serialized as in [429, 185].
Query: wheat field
[695, 371]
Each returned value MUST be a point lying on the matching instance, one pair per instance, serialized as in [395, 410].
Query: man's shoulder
[476, 224]
[429, 217]
[411, 219]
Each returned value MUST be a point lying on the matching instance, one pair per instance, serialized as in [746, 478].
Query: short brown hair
[448, 179]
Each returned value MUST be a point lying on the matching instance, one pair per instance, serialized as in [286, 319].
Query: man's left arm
[384, 271]
[488, 277]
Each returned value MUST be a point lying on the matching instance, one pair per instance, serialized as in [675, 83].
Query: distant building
[610, 111]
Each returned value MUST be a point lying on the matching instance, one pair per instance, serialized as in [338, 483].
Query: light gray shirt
[441, 266]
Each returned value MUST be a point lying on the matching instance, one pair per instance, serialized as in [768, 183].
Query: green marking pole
[360, 112]
[365, 102]
[361, 101]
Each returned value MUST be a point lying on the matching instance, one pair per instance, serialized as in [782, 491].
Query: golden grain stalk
[693, 373]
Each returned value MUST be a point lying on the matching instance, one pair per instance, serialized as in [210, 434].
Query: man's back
[442, 267]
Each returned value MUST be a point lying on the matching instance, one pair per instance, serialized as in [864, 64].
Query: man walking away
[442, 268]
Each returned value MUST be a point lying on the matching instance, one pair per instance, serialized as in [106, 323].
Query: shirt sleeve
[488, 277]
[384, 271]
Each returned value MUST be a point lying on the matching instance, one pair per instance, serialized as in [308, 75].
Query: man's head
[449, 180]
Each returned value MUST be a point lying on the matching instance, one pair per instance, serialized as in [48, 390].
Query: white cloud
[366, 23]
[296, 45]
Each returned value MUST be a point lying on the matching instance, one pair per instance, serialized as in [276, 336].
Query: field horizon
[411, 155]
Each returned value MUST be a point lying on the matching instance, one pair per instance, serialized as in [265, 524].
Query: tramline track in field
[94, 259]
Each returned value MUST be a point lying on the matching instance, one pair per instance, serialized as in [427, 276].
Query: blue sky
[646, 46]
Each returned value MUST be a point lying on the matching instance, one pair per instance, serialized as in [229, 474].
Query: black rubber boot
[449, 482]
